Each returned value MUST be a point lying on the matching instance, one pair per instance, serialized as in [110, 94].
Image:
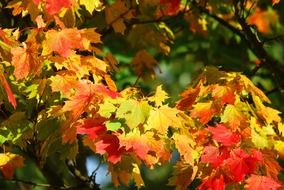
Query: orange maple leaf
[263, 19]
[24, 60]
[62, 41]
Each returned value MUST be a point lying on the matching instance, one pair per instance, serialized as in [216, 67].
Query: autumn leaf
[185, 146]
[214, 155]
[92, 127]
[25, 59]
[62, 42]
[55, 6]
[214, 183]
[9, 92]
[183, 175]
[91, 5]
[268, 114]
[232, 116]
[159, 97]
[134, 112]
[241, 164]
[9, 162]
[139, 143]
[144, 63]
[115, 15]
[188, 98]
[226, 94]
[170, 7]
[64, 82]
[204, 111]
[162, 118]
[223, 135]
[263, 19]
[260, 134]
[256, 182]
[80, 101]
[109, 144]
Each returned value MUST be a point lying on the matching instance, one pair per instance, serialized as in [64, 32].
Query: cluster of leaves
[57, 86]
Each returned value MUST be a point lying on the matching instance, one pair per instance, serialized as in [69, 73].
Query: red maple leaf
[214, 155]
[171, 7]
[241, 164]
[11, 97]
[256, 182]
[55, 6]
[109, 144]
[188, 98]
[93, 127]
[214, 183]
[224, 135]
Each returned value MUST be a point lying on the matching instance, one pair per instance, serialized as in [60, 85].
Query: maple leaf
[223, 135]
[8, 163]
[115, 15]
[256, 182]
[63, 82]
[214, 155]
[188, 97]
[55, 6]
[214, 183]
[260, 134]
[241, 164]
[92, 127]
[24, 60]
[226, 94]
[144, 63]
[7, 88]
[232, 116]
[159, 97]
[162, 118]
[171, 7]
[62, 41]
[109, 144]
[263, 19]
[134, 112]
[139, 143]
[183, 175]
[184, 145]
[204, 111]
[266, 113]
[91, 5]
[271, 165]
[90, 36]
[80, 101]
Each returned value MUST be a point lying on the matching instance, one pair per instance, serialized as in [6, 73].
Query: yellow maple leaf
[279, 146]
[162, 118]
[184, 145]
[159, 97]
[134, 112]
[92, 5]
[266, 113]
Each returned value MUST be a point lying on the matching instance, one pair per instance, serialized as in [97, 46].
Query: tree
[77, 80]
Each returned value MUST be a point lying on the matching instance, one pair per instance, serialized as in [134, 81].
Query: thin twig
[46, 185]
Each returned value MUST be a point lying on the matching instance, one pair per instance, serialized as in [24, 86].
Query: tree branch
[34, 184]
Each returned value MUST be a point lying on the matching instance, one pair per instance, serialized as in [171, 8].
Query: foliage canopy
[77, 80]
